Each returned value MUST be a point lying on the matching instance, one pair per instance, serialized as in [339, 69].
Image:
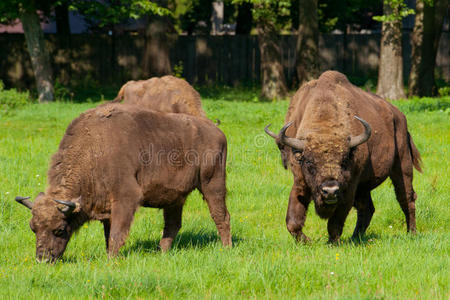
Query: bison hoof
[301, 238]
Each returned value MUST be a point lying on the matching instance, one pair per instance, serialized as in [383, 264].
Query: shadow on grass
[361, 240]
[184, 240]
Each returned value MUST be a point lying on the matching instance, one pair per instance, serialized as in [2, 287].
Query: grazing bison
[116, 158]
[165, 94]
[343, 143]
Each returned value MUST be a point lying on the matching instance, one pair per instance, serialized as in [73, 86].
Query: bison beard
[99, 173]
[336, 162]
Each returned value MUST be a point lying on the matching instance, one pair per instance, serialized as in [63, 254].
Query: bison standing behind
[165, 94]
[116, 158]
[344, 143]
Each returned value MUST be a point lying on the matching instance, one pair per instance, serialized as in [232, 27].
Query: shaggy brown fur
[117, 157]
[165, 94]
[322, 112]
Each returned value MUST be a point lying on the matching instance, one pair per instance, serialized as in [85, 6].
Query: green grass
[265, 262]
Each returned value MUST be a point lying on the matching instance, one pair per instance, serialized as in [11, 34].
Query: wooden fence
[105, 60]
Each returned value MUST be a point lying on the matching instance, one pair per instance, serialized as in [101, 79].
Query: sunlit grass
[265, 262]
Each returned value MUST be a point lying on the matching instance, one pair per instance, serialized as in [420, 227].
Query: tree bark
[62, 21]
[425, 42]
[40, 60]
[244, 18]
[390, 69]
[63, 34]
[307, 62]
[273, 79]
[160, 35]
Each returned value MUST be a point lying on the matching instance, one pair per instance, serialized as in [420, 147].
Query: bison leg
[296, 215]
[365, 210]
[401, 177]
[214, 193]
[122, 213]
[336, 222]
[172, 224]
[106, 230]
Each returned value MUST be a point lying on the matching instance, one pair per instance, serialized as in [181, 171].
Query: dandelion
[85, 226]
[337, 256]
[390, 226]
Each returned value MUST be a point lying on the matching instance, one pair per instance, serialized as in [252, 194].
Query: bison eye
[310, 167]
[59, 232]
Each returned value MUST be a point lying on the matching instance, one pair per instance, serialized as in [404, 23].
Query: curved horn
[24, 201]
[272, 134]
[291, 142]
[363, 137]
[70, 206]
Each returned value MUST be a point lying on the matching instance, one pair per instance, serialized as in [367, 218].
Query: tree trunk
[40, 60]
[63, 33]
[244, 18]
[390, 69]
[273, 80]
[425, 42]
[160, 35]
[307, 62]
[62, 23]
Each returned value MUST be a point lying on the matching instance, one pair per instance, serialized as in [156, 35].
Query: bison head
[52, 223]
[325, 161]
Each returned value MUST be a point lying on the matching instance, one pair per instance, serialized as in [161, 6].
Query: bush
[444, 91]
[423, 104]
[12, 99]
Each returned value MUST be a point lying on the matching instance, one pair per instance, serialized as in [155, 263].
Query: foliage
[11, 99]
[106, 13]
[399, 11]
[270, 11]
[444, 91]
[13, 9]
[178, 70]
[337, 14]
[417, 104]
[265, 262]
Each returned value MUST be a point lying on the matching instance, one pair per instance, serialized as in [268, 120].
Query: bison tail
[120, 95]
[417, 160]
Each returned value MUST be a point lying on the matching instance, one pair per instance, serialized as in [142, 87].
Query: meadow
[265, 262]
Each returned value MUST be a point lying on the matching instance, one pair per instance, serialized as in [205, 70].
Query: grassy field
[265, 262]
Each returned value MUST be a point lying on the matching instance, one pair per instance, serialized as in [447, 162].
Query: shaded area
[184, 240]
[101, 60]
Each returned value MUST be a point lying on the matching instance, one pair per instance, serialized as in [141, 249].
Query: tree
[26, 11]
[425, 41]
[390, 69]
[107, 14]
[307, 62]
[244, 18]
[270, 16]
[160, 35]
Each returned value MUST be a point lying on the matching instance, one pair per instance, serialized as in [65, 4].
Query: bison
[165, 94]
[114, 159]
[340, 143]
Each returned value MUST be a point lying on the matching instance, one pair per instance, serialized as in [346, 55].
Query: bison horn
[70, 206]
[363, 137]
[272, 134]
[24, 201]
[291, 142]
